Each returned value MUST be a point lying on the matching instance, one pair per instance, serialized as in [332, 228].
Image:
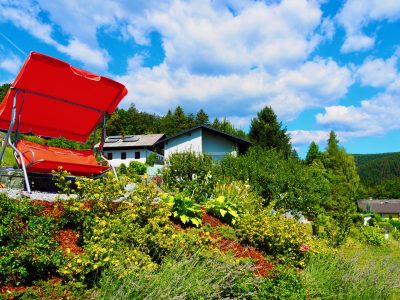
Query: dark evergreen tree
[267, 132]
[313, 153]
[180, 120]
[202, 118]
[3, 90]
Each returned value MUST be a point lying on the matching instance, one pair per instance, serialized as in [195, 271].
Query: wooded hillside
[374, 169]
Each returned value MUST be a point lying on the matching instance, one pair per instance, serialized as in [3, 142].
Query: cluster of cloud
[230, 57]
[358, 14]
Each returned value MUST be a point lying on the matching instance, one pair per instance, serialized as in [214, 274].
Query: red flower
[304, 248]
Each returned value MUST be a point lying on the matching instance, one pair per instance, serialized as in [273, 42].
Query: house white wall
[191, 141]
[200, 141]
[130, 156]
[217, 146]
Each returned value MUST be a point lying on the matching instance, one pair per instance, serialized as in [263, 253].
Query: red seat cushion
[44, 159]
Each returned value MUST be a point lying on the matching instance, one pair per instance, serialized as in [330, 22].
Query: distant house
[386, 208]
[124, 149]
[204, 139]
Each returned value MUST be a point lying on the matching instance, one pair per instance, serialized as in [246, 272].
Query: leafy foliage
[287, 181]
[190, 173]
[267, 132]
[3, 90]
[224, 209]
[184, 209]
[132, 121]
[28, 250]
[375, 169]
[275, 235]
[329, 276]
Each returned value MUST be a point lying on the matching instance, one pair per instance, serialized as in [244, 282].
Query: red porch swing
[54, 99]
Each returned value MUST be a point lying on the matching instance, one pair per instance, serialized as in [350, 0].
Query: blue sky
[322, 65]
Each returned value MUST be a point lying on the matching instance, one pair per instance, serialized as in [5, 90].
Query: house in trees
[124, 149]
[204, 139]
[384, 207]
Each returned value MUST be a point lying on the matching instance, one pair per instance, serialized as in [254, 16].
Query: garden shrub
[283, 283]
[151, 159]
[222, 208]
[275, 235]
[184, 209]
[199, 275]
[240, 193]
[396, 235]
[122, 170]
[28, 250]
[330, 276]
[373, 235]
[132, 237]
[385, 226]
[191, 174]
[287, 181]
[137, 168]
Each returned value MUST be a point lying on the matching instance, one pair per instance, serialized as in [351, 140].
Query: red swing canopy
[56, 99]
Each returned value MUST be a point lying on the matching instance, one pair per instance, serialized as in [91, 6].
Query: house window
[123, 155]
[137, 155]
[109, 155]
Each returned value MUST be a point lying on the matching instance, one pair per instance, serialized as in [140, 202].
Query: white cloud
[314, 84]
[10, 63]
[25, 14]
[357, 14]
[372, 117]
[305, 137]
[378, 72]
[205, 39]
[90, 57]
[228, 57]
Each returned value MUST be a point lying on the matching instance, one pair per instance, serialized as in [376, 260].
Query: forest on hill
[379, 175]
[374, 169]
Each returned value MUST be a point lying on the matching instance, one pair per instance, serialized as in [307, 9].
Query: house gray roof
[228, 136]
[131, 141]
[385, 206]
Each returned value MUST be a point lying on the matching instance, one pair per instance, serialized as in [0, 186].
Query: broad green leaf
[196, 221]
[222, 212]
[184, 219]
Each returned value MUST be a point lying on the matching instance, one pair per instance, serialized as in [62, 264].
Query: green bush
[282, 283]
[151, 159]
[239, 193]
[396, 235]
[191, 174]
[184, 209]
[224, 209]
[137, 168]
[275, 235]
[28, 250]
[287, 181]
[202, 275]
[122, 169]
[330, 276]
[373, 235]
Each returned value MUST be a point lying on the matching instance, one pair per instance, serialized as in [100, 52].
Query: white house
[124, 149]
[204, 139]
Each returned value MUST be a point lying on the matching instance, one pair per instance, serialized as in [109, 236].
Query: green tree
[267, 132]
[344, 181]
[313, 153]
[114, 125]
[3, 90]
[180, 120]
[202, 118]
[167, 124]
